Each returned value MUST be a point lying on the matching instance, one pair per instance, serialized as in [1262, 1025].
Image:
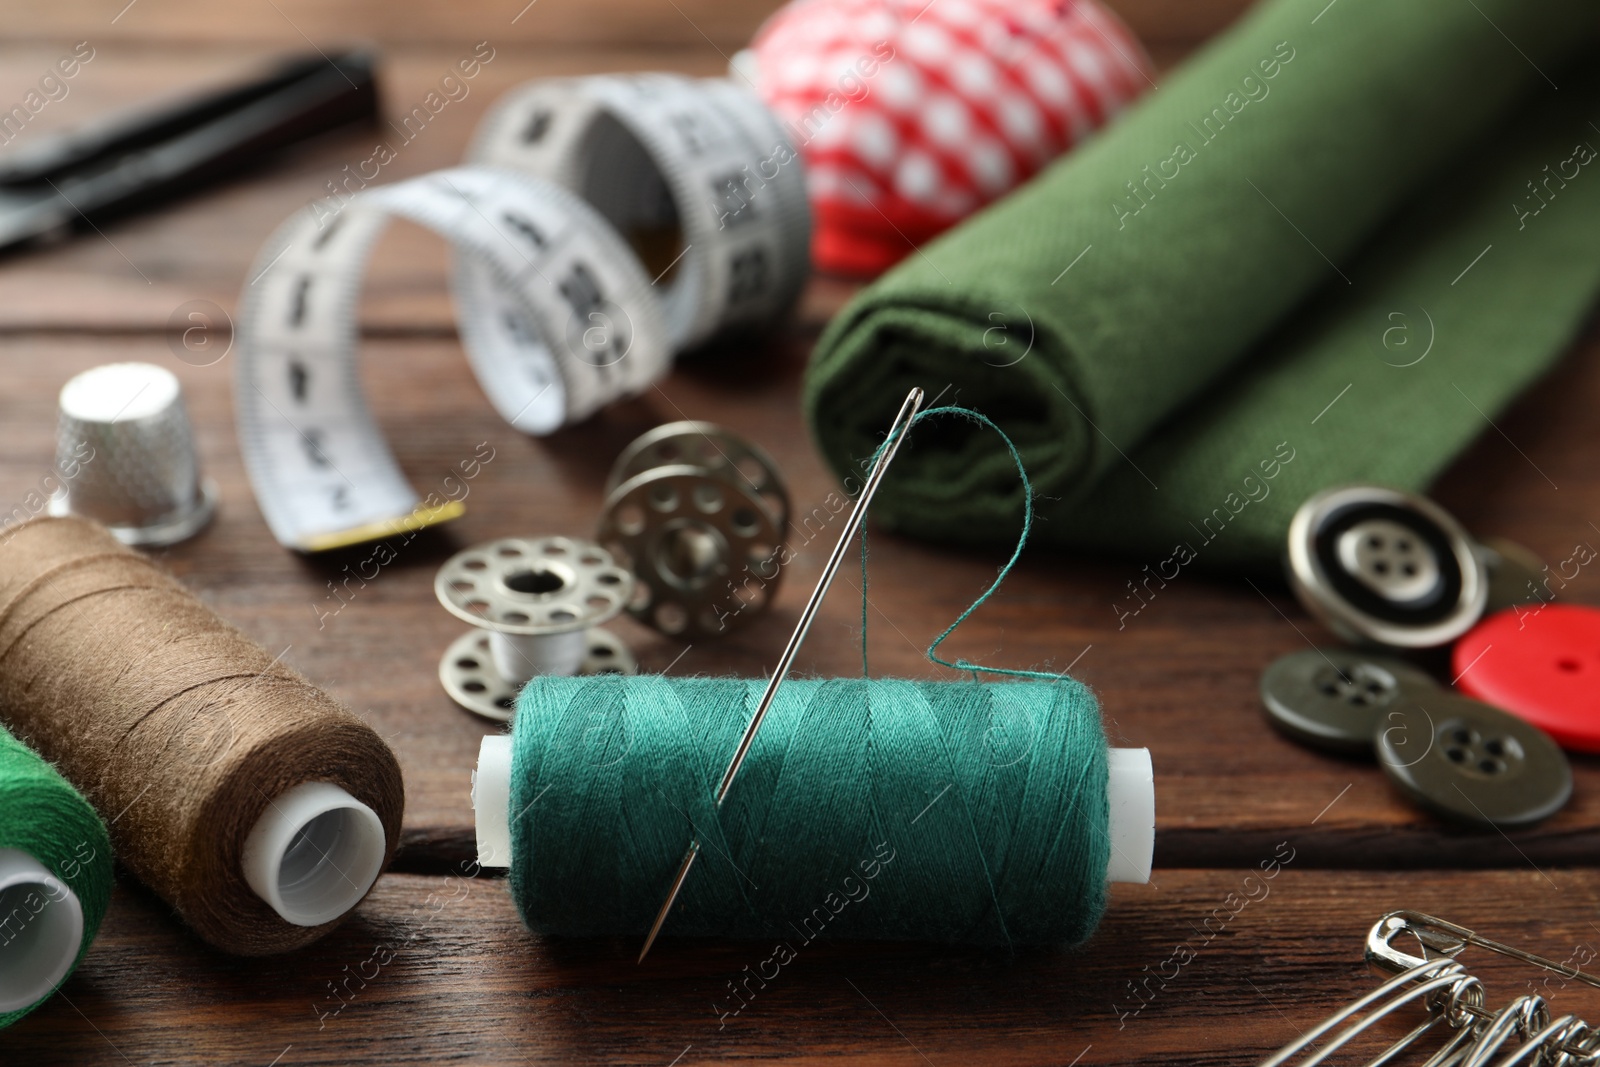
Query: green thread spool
[970, 812]
[55, 879]
[988, 813]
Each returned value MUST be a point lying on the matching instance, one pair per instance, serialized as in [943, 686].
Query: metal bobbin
[698, 514]
[535, 603]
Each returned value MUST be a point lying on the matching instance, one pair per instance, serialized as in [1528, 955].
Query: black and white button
[1379, 566]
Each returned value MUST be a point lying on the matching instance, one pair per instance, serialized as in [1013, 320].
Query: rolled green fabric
[1459, 304]
[47, 830]
[1168, 270]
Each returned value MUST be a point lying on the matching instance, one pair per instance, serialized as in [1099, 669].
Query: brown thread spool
[190, 740]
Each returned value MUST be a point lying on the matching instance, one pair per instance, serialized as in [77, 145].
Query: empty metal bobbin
[698, 515]
[536, 603]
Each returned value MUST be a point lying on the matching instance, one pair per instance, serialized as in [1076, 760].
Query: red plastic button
[1541, 663]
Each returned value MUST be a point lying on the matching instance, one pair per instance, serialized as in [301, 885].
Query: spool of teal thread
[943, 811]
[55, 879]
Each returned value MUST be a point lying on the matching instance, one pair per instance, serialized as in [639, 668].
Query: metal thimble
[127, 456]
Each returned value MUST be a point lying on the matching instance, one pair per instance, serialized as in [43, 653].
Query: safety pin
[1559, 1035]
[1526, 1015]
[858, 514]
[1481, 1034]
[1448, 939]
[1420, 981]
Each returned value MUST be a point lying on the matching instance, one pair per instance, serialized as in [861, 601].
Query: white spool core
[314, 853]
[491, 801]
[41, 930]
[519, 658]
[1130, 788]
[1131, 792]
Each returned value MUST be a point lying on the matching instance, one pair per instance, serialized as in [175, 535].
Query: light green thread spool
[55, 879]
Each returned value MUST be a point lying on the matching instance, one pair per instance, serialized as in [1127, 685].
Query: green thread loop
[1016, 554]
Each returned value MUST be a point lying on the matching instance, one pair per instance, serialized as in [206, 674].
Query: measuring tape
[612, 221]
[696, 172]
[555, 311]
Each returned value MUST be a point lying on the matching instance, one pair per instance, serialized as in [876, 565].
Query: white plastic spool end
[1130, 789]
[491, 801]
[314, 853]
[45, 922]
[1131, 793]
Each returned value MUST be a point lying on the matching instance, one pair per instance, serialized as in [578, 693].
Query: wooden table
[465, 981]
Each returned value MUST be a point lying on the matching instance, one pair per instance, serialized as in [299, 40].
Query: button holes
[1409, 570]
[1381, 566]
[1329, 689]
[1495, 747]
[1358, 699]
[1457, 755]
[1403, 545]
[1462, 736]
[1568, 664]
[1491, 766]
[1375, 688]
[1375, 541]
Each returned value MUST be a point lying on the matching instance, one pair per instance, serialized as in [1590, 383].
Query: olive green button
[1470, 762]
[1331, 699]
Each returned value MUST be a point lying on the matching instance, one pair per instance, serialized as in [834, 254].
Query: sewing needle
[858, 514]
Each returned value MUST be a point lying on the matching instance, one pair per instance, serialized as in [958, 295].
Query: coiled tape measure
[696, 171]
[547, 273]
[556, 310]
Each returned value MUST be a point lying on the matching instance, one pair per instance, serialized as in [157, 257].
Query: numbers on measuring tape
[312, 439]
[691, 132]
[297, 307]
[730, 193]
[581, 290]
[521, 334]
[526, 228]
[538, 125]
[747, 275]
[550, 301]
[299, 380]
[327, 235]
[604, 339]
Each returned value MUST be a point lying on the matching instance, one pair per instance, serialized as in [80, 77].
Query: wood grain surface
[438, 969]
[468, 984]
